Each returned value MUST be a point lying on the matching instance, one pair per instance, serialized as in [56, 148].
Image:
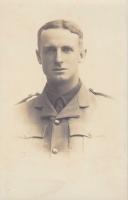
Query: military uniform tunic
[73, 154]
[67, 131]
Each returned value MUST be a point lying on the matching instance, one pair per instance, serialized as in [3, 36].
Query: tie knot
[59, 104]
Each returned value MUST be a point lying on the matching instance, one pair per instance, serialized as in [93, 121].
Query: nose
[59, 56]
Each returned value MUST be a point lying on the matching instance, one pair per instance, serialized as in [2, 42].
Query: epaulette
[30, 97]
[99, 93]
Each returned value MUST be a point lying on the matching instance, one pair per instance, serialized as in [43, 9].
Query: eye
[50, 49]
[67, 49]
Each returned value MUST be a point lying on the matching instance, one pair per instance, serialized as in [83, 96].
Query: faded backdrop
[104, 69]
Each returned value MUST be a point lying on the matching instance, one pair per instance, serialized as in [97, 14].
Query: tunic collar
[81, 100]
[66, 97]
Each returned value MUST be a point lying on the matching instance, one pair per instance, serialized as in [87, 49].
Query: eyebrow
[50, 45]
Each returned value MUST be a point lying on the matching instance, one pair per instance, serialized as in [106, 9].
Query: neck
[63, 87]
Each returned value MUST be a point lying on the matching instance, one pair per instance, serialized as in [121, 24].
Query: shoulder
[26, 106]
[99, 97]
[104, 106]
[27, 115]
[100, 94]
[101, 104]
[29, 98]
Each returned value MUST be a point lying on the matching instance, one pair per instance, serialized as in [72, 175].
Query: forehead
[58, 37]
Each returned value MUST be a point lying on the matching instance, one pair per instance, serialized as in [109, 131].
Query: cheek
[46, 60]
[72, 59]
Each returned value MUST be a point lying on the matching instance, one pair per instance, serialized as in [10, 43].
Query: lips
[59, 69]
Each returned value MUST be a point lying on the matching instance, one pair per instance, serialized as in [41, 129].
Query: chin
[59, 79]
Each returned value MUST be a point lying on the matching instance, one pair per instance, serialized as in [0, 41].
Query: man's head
[60, 50]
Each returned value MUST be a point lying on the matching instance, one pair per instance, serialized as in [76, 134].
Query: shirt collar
[66, 97]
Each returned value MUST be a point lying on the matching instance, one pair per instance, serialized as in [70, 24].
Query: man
[67, 121]
[65, 115]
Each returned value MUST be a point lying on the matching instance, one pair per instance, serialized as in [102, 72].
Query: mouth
[59, 69]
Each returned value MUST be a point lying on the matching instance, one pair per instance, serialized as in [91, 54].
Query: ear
[82, 54]
[38, 56]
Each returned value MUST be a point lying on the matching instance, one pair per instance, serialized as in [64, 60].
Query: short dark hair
[72, 27]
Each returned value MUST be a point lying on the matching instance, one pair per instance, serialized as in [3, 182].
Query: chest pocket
[79, 132]
[84, 134]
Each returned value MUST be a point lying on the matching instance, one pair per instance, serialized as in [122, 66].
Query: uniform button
[55, 150]
[57, 122]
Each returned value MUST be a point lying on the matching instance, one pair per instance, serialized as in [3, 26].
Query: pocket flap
[78, 128]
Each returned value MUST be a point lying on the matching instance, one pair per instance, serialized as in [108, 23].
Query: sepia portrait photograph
[63, 118]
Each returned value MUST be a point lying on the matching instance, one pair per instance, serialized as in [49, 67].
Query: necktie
[59, 104]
